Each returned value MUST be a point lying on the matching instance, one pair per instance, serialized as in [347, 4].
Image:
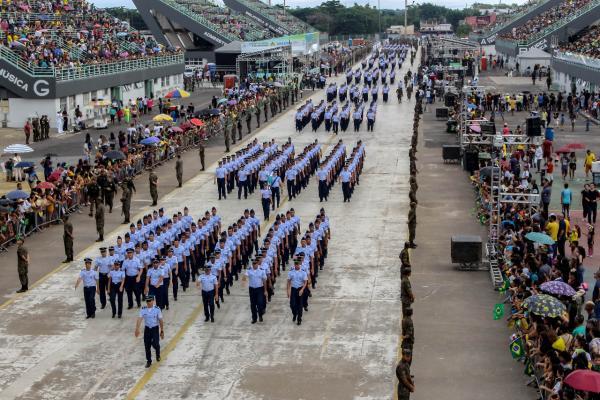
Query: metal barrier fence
[25, 224]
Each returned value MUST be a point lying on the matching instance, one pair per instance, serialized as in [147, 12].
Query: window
[63, 103]
[87, 98]
[72, 102]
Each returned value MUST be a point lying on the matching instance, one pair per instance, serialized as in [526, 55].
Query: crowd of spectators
[545, 19]
[285, 19]
[586, 43]
[229, 21]
[69, 33]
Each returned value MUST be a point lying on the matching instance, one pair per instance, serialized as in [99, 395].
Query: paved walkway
[346, 347]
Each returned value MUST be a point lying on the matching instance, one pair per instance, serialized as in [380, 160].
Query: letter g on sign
[41, 88]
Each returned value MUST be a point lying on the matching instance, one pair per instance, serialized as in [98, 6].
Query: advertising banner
[302, 44]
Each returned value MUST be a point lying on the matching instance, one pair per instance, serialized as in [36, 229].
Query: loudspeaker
[534, 126]
[441, 112]
[449, 100]
[465, 249]
[451, 152]
[471, 160]
[488, 128]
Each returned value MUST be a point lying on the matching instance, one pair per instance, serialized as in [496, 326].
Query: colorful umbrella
[24, 164]
[46, 185]
[55, 175]
[475, 128]
[177, 94]
[114, 155]
[176, 129]
[539, 237]
[558, 288]
[584, 380]
[18, 149]
[196, 122]
[544, 305]
[222, 101]
[17, 194]
[150, 141]
[576, 146]
[162, 118]
[232, 102]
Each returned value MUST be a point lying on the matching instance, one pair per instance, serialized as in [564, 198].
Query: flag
[528, 368]
[498, 311]
[516, 348]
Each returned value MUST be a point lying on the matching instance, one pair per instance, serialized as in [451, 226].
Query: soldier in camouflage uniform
[408, 329]
[405, 382]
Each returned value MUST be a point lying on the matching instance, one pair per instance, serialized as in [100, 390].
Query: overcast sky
[393, 4]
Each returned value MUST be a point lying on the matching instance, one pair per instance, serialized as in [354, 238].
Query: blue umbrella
[539, 237]
[24, 164]
[17, 194]
[149, 141]
[558, 288]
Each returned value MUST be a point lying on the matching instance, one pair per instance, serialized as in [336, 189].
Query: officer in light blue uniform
[345, 177]
[103, 265]
[220, 173]
[208, 283]
[89, 277]
[242, 184]
[116, 282]
[166, 271]
[133, 271]
[266, 195]
[153, 320]
[257, 290]
[154, 282]
[275, 189]
[296, 284]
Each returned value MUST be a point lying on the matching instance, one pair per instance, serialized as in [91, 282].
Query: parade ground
[346, 348]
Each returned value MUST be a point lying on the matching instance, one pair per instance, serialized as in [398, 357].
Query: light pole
[405, 16]
[379, 8]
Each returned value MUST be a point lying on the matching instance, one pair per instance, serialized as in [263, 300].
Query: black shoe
[93, 316]
[294, 318]
[87, 317]
[212, 319]
[119, 316]
[22, 290]
[65, 261]
[227, 289]
[206, 319]
[148, 364]
[167, 307]
[103, 307]
[305, 308]
[157, 358]
[299, 322]
[253, 321]
[113, 315]
[260, 318]
[129, 307]
[175, 298]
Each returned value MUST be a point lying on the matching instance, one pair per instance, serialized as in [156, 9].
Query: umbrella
[196, 122]
[584, 380]
[114, 155]
[176, 129]
[18, 148]
[232, 102]
[544, 305]
[151, 140]
[487, 171]
[222, 101]
[207, 112]
[475, 128]
[558, 288]
[576, 146]
[564, 149]
[24, 164]
[162, 117]
[46, 185]
[5, 202]
[55, 175]
[539, 237]
[17, 194]
[177, 94]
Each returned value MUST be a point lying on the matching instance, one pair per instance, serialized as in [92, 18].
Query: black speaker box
[441, 112]
[488, 128]
[465, 249]
[471, 160]
[534, 127]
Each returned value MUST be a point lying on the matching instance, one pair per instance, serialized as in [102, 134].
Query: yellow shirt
[552, 229]
[590, 158]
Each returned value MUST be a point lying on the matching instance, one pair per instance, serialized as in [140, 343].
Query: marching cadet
[127, 188]
[405, 382]
[103, 265]
[275, 189]
[357, 116]
[405, 256]
[266, 195]
[408, 329]
[201, 154]
[179, 170]
[370, 119]
[89, 277]
[99, 216]
[208, 284]
[336, 122]
[257, 279]
[296, 284]
[171, 261]
[406, 294]
[219, 179]
[385, 91]
[166, 269]
[412, 224]
[68, 238]
[133, 271]
[153, 319]
[154, 282]
[345, 178]
[116, 282]
[153, 182]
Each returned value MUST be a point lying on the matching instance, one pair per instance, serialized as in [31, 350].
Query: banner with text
[302, 44]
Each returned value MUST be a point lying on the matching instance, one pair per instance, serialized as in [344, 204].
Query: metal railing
[271, 15]
[579, 59]
[513, 18]
[111, 68]
[198, 18]
[557, 25]
[13, 58]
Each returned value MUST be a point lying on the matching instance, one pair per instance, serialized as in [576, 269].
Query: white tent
[533, 56]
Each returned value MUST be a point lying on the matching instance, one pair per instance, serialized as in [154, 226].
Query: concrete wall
[563, 81]
[21, 109]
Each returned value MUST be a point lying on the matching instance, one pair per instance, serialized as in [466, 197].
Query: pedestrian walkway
[346, 346]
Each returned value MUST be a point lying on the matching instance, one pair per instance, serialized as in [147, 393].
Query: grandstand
[201, 26]
[66, 54]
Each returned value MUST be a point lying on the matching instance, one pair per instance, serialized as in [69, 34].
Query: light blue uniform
[151, 316]
[297, 278]
[208, 282]
[88, 278]
[256, 277]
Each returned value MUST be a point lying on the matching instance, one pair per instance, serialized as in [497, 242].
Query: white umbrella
[18, 148]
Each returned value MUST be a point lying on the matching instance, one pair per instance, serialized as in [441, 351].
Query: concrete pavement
[346, 348]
